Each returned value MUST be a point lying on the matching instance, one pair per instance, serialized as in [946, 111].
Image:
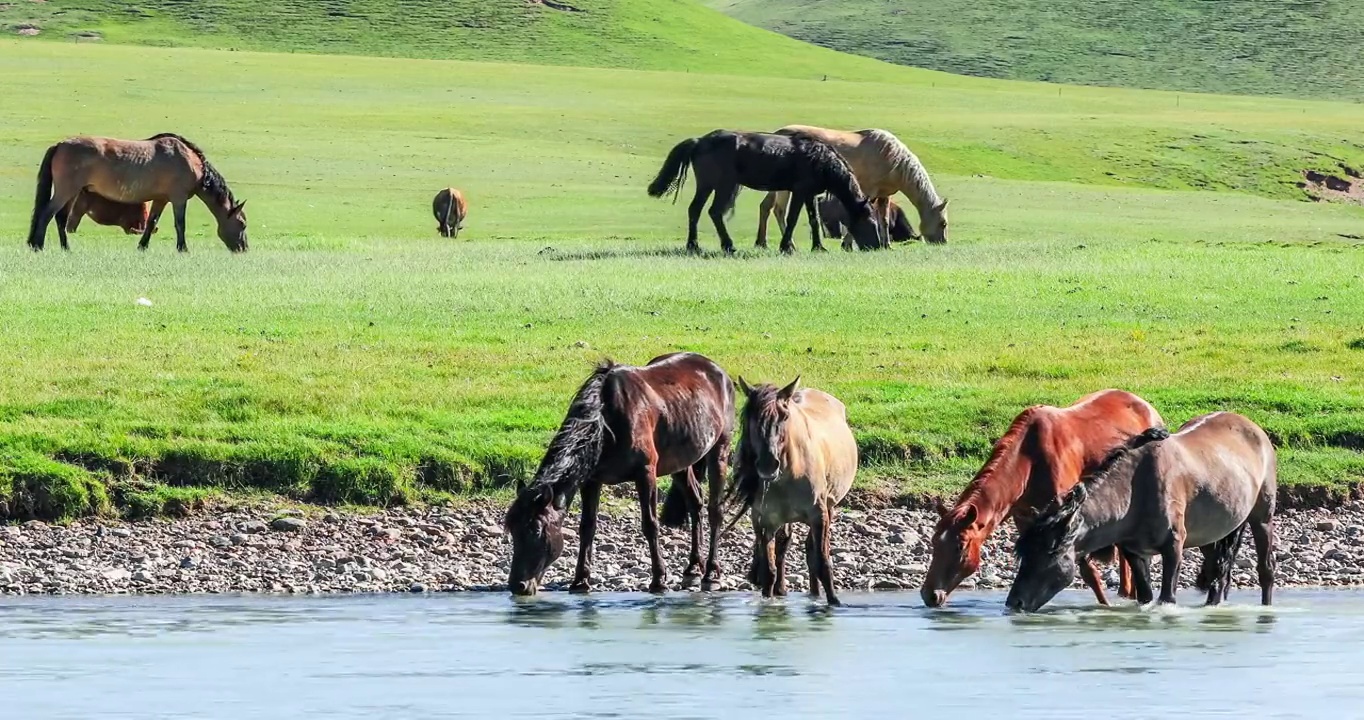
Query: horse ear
[238, 207]
[1073, 500]
[786, 392]
[520, 485]
[942, 205]
[745, 386]
[941, 507]
[969, 517]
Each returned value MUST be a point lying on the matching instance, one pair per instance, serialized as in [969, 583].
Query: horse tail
[674, 513]
[41, 197]
[673, 175]
[449, 207]
[1218, 563]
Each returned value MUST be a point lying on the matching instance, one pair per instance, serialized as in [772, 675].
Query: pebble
[287, 524]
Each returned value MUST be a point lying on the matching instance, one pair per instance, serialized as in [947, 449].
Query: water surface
[680, 656]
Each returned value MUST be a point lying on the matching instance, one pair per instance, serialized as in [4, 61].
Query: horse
[674, 416]
[449, 206]
[1202, 486]
[832, 216]
[132, 217]
[725, 161]
[883, 166]
[164, 168]
[797, 460]
[1045, 451]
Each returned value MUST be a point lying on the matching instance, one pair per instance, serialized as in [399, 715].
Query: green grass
[1269, 47]
[355, 357]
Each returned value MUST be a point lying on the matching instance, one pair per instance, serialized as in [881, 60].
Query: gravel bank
[431, 550]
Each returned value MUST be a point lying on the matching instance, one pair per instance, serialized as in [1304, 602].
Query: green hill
[1273, 47]
[657, 35]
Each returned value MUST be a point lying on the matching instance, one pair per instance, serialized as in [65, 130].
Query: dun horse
[797, 460]
[834, 219]
[1042, 455]
[132, 217]
[883, 166]
[162, 169]
[674, 416]
[1161, 493]
[725, 161]
[450, 210]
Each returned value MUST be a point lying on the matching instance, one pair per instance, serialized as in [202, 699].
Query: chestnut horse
[797, 461]
[1042, 455]
[162, 169]
[674, 416]
[450, 210]
[132, 217]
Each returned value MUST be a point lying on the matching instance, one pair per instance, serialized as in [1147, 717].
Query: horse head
[764, 431]
[956, 542]
[536, 529]
[232, 227]
[934, 224]
[1046, 553]
[862, 225]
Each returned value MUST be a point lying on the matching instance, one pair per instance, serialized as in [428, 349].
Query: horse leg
[1171, 557]
[1125, 589]
[792, 215]
[816, 245]
[724, 195]
[647, 488]
[716, 471]
[1090, 574]
[783, 199]
[1141, 577]
[587, 532]
[153, 217]
[63, 216]
[779, 568]
[767, 562]
[824, 536]
[179, 208]
[764, 209]
[692, 574]
[1263, 532]
[812, 563]
[698, 203]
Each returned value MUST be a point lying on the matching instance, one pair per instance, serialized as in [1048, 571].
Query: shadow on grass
[588, 255]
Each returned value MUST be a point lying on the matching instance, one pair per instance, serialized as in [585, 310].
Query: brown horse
[797, 461]
[883, 166]
[834, 219]
[674, 416]
[1042, 455]
[162, 169]
[450, 210]
[1160, 493]
[132, 217]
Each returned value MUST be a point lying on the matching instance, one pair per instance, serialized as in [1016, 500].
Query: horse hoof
[693, 249]
[835, 602]
[690, 580]
[657, 588]
[818, 248]
[761, 245]
[788, 251]
[580, 588]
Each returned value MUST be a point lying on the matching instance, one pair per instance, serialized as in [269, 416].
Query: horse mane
[838, 176]
[1005, 450]
[914, 180]
[213, 183]
[1058, 526]
[571, 456]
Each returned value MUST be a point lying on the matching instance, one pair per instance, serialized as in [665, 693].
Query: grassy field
[1268, 47]
[354, 356]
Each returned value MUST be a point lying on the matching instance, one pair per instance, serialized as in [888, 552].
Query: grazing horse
[132, 217]
[1160, 493]
[883, 166]
[725, 161]
[450, 210]
[1042, 455]
[832, 216]
[674, 416]
[162, 169]
[797, 461]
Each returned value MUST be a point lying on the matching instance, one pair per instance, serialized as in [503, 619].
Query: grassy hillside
[1270, 47]
[354, 356]
[654, 34]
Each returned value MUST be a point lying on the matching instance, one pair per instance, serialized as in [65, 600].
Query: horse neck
[1105, 512]
[219, 205]
[998, 486]
[916, 185]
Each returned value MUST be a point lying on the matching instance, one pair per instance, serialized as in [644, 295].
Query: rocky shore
[463, 549]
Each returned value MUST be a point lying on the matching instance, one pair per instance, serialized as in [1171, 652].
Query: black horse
[834, 217]
[725, 161]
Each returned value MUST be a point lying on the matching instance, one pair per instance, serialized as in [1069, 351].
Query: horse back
[676, 408]
[127, 171]
[1063, 444]
[826, 443]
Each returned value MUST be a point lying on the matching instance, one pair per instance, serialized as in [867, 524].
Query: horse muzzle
[933, 598]
[524, 588]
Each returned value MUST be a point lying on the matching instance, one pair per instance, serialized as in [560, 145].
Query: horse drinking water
[450, 210]
[162, 169]
[1043, 454]
[1161, 493]
[725, 161]
[797, 461]
[674, 416]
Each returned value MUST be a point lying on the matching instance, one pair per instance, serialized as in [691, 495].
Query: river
[680, 656]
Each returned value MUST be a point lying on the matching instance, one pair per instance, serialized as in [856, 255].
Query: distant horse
[450, 210]
[797, 461]
[162, 169]
[725, 161]
[674, 416]
[834, 219]
[132, 217]
[1042, 455]
[883, 166]
[1162, 493]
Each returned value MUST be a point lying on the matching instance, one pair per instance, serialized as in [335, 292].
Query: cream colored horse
[883, 166]
[797, 461]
